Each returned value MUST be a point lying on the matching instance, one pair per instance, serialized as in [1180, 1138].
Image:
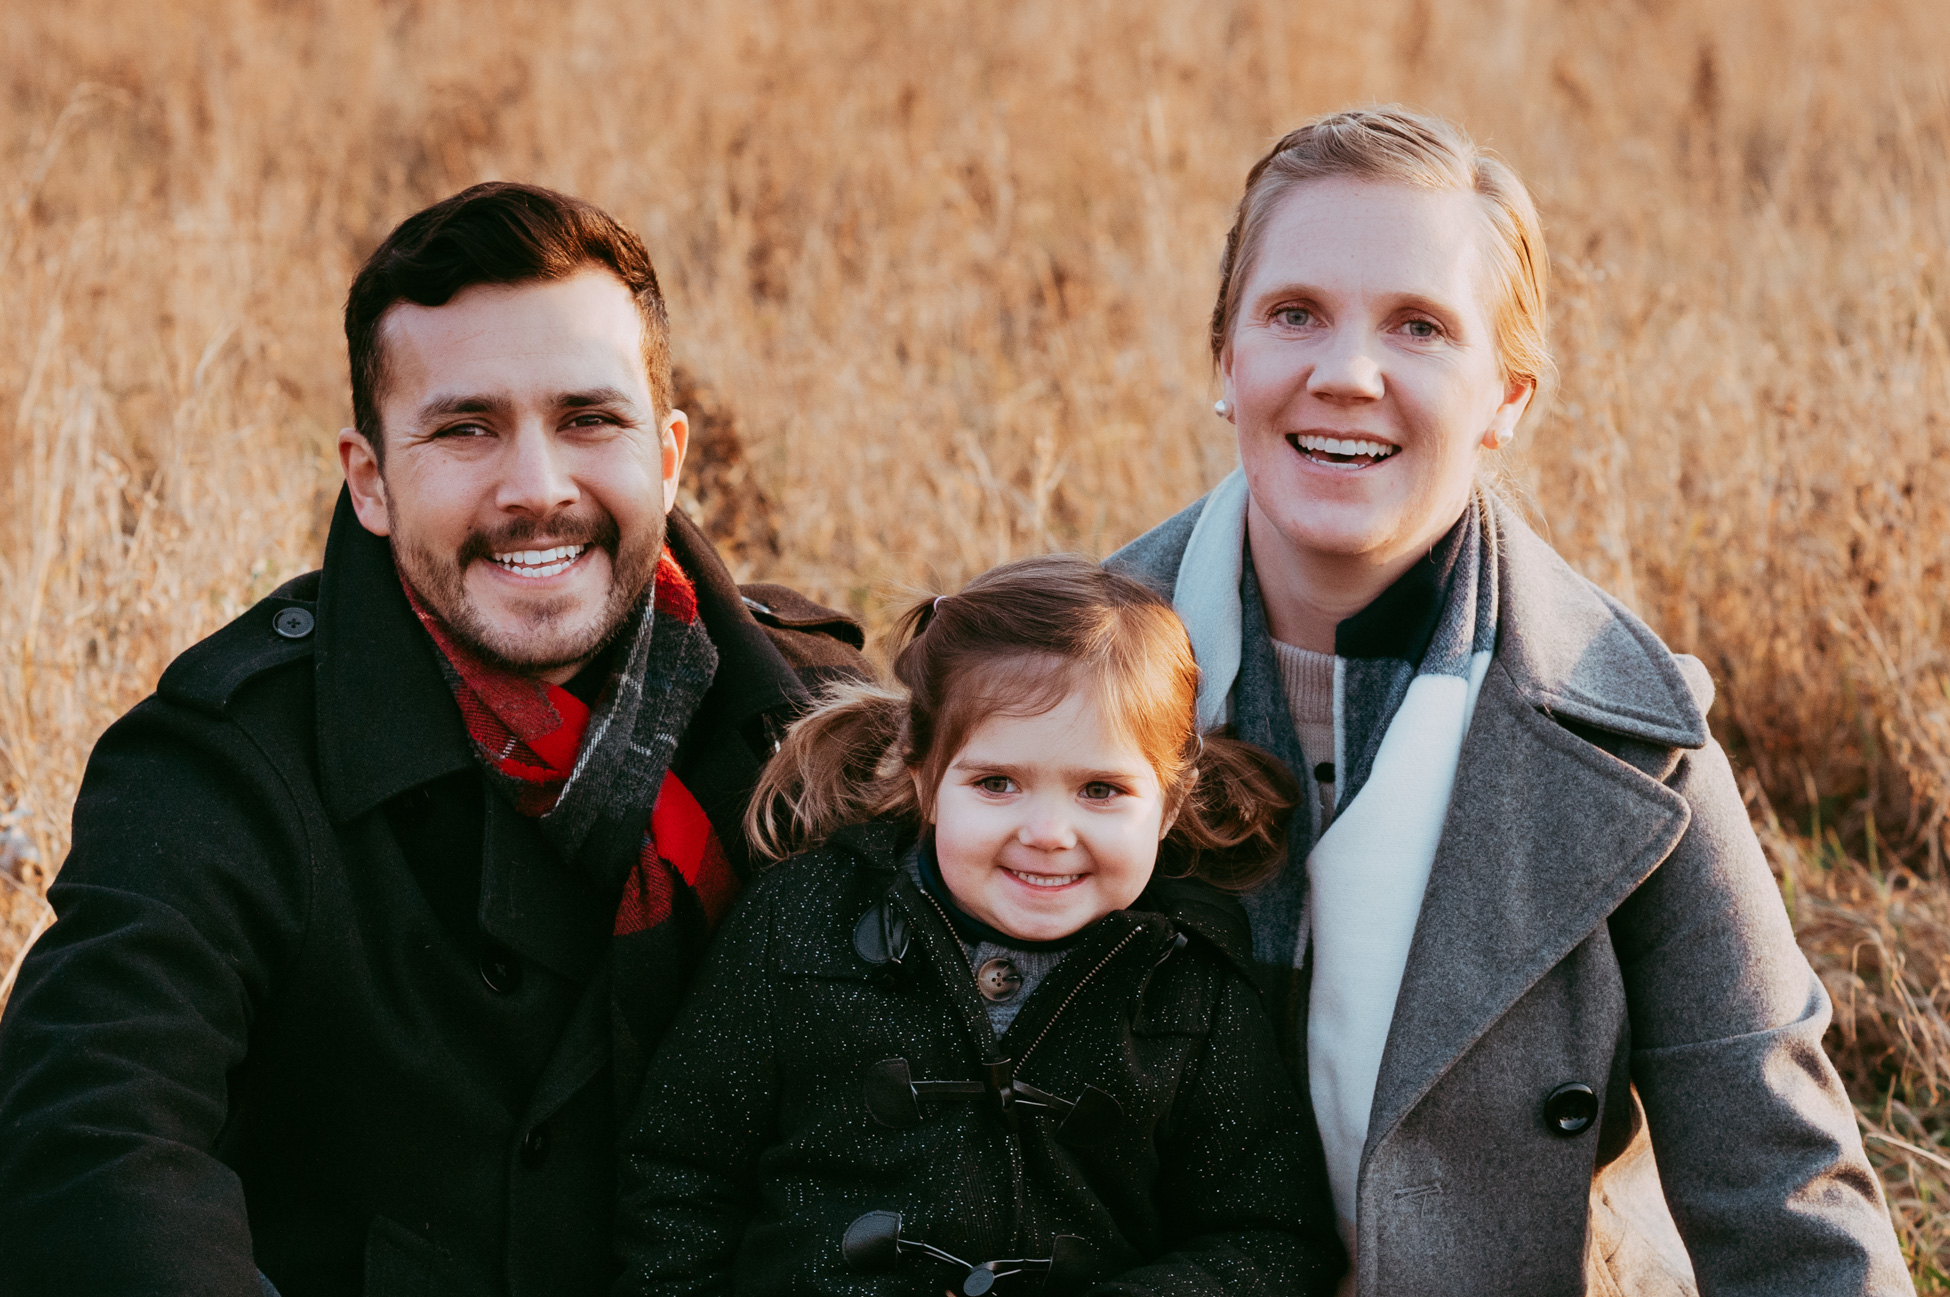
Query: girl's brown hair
[1017, 641]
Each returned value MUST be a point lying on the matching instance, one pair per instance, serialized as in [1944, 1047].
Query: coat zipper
[1111, 954]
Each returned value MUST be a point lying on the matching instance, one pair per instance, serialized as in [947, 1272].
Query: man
[376, 906]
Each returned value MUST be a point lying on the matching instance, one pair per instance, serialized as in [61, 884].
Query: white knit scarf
[1400, 713]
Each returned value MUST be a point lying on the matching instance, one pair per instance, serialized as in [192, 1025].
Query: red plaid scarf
[532, 731]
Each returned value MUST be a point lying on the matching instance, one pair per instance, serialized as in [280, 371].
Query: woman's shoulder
[1578, 651]
[1153, 558]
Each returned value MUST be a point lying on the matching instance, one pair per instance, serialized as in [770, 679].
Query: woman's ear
[1503, 424]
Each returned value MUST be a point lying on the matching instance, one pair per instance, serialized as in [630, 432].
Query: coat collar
[1571, 648]
[1575, 651]
[1546, 832]
[387, 721]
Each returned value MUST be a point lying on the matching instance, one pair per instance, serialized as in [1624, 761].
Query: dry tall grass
[948, 264]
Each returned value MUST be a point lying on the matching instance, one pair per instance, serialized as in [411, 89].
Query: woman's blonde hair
[1017, 641]
[1399, 146]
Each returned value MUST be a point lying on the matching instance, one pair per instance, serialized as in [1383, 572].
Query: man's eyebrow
[594, 396]
[465, 403]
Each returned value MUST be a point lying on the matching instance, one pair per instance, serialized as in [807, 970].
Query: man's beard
[551, 636]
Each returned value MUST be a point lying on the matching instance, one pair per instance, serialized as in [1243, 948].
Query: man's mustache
[599, 530]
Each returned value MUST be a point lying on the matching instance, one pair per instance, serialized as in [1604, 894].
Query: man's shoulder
[279, 631]
[810, 636]
[1153, 558]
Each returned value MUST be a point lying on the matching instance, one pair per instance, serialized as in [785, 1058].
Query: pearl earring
[1221, 409]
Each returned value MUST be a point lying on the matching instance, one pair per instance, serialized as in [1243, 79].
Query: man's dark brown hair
[493, 233]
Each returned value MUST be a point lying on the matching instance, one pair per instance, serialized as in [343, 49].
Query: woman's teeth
[1045, 880]
[539, 562]
[1341, 450]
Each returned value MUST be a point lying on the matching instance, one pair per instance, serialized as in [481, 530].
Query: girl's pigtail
[1231, 829]
[839, 764]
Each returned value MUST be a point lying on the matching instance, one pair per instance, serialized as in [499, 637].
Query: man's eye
[1099, 791]
[1294, 317]
[996, 784]
[463, 430]
[591, 420]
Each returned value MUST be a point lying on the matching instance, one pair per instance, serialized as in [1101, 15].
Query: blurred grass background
[939, 273]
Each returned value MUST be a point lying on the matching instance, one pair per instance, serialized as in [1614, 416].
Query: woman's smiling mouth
[538, 563]
[1340, 452]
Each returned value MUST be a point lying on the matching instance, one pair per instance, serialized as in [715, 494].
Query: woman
[1526, 935]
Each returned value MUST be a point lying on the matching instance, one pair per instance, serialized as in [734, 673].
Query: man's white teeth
[540, 562]
[1347, 446]
[1045, 880]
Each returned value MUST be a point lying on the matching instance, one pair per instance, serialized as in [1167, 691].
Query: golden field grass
[948, 264]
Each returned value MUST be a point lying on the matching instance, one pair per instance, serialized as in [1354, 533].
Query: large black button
[534, 1149]
[500, 969]
[293, 623]
[998, 980]
[1570, 1109]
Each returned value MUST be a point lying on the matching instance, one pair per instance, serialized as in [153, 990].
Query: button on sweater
[1308, 681]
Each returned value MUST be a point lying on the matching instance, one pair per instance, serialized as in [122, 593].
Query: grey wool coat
[1599, 912]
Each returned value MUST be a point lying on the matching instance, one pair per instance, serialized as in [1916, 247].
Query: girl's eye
[996, 784]
[1099, 791]
[1421, 329]
[1294, 317]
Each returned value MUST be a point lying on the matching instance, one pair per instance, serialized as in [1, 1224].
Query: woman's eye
[1099, 792]
[996, 784]
[1294, 317]
[1422, 329]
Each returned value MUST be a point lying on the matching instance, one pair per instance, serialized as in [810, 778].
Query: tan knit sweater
[1308, 678]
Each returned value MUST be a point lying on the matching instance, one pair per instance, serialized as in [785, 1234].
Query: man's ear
[366, 482]
[675, 436]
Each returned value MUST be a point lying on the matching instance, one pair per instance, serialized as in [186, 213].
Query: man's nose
[1046, 828]
[1346, 369]
[534, 480]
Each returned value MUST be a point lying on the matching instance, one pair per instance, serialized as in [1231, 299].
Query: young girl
[994, 1029]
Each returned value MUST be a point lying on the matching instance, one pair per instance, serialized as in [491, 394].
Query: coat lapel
[1546, 833]
[1518, 881]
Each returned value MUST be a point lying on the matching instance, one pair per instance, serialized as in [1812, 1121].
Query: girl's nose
[1047, 830]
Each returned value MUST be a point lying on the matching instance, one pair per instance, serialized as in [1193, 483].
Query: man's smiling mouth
[1341, 452]
[1043, 880]
[539, 563]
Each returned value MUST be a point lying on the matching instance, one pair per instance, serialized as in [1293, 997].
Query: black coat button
[500, 969]
[293, 623]
[1570, 1109]
[534, 1149]
[998, 980]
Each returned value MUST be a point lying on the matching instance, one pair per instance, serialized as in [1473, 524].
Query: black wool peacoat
[833, 1061]
[318, 1002]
